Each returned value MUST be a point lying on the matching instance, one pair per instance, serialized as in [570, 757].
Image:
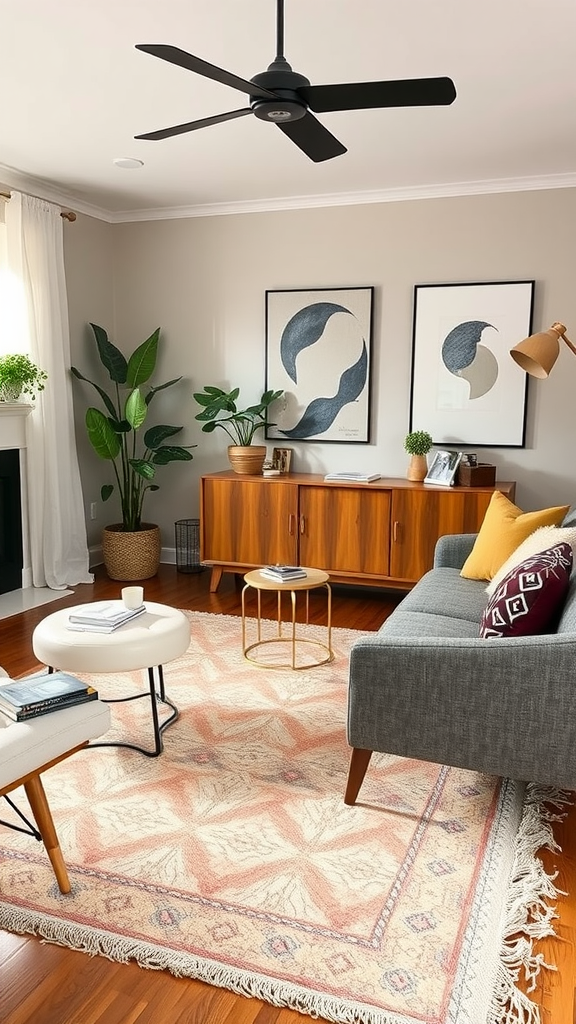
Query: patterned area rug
[232, 857]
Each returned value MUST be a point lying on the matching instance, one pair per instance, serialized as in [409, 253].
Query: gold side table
[254, 580]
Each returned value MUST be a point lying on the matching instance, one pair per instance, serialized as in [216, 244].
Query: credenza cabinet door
[249, 521]
[420, 517]
[345, 529]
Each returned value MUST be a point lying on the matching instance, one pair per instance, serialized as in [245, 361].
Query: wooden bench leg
[358, 766]
[43, 817]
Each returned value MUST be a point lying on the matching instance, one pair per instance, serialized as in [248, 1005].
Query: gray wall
[203, 281]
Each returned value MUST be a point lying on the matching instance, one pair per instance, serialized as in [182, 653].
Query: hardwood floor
[49, 984]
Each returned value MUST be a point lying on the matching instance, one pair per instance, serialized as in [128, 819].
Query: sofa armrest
[502, 706]
[452, 550]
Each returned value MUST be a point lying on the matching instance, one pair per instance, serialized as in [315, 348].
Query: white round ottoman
[157, 636]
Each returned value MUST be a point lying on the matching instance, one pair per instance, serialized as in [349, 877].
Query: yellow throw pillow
[504, 527]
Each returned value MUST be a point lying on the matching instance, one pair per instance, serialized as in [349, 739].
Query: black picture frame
[319, 353]
[465, 387]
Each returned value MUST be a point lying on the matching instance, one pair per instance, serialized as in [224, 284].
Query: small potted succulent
[219, 409]
[19, 376]
[418, 443]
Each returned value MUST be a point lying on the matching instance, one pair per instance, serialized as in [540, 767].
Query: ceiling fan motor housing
[280, 79]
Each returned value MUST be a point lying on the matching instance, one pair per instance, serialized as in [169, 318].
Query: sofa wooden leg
[41, 811]
[358, 766]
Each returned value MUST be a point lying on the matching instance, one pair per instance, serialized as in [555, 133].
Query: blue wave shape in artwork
[303, 330]
[459, 348]
[322, 412]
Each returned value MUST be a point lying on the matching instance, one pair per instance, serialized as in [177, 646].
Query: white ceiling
[74, 91]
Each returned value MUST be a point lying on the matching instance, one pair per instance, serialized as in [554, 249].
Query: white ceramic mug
[133, 597]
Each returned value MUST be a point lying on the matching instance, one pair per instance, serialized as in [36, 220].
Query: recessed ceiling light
[128, 162]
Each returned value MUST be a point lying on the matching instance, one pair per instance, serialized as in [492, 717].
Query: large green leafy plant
[219, 409]
[116, 436]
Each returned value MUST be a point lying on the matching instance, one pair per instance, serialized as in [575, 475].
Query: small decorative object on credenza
[444, 468]
[219, 409]
[472, 473]
[351, 477]
[417, 443]
[281, 459]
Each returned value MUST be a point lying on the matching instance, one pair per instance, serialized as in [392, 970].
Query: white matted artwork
[318, 352]
[466, 388]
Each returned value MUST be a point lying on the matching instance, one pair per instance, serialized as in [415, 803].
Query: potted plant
[19, 376]
[219, 409]
[418, 443]
[131, 549]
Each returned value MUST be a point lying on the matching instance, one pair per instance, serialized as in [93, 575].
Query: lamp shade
[538, 353]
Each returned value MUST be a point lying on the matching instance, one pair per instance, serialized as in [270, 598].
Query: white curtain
[58, 543]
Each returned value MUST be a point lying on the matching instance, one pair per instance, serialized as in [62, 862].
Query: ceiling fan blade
[313, 138]
[174, 55]
[191, 126]
[408, 92]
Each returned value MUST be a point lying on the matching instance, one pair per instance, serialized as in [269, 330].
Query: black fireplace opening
[11, 555]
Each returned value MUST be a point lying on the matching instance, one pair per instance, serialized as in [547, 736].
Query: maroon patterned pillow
[530, 597]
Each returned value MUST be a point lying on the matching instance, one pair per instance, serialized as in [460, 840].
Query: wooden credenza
[380, 534]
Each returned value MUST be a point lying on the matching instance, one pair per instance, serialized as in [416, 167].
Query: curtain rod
[67, 214]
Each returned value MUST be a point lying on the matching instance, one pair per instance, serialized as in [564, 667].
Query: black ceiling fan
[283, 96]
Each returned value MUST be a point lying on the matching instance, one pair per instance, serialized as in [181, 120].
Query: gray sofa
[427, 686]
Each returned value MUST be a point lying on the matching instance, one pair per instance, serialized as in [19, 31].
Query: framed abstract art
[318, 352]
[465, 388]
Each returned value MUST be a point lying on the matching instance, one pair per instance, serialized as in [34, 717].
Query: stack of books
[357, 478]
[283, 573]
[103, 616]
[38, 695]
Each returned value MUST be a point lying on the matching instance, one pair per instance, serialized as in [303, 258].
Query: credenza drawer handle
[395, 531]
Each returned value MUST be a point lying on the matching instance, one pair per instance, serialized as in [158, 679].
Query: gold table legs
[292, 639]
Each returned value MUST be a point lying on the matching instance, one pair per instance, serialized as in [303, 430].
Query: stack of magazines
[283, 573]
[40, 694]
[103, 616]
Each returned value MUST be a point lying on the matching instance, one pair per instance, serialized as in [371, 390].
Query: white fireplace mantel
[13, 424]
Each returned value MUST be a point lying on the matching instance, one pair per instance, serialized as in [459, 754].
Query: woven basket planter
[248, 460]
[131, 556]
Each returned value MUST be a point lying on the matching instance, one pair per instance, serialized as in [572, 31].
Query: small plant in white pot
[219, 409]
[20, 377]
[417, 443]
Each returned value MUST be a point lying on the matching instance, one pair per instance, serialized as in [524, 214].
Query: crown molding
[10, 178]
[394, 195]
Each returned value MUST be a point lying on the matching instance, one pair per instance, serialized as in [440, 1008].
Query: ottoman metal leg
[157, 693]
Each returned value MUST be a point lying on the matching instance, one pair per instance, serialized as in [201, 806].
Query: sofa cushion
[441, 605]
[530, 597]
[542, 538]
[504, 527]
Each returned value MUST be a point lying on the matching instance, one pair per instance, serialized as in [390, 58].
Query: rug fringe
[528, 915]
[183, 965]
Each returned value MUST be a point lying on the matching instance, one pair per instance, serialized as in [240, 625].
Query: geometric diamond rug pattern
[232, 857]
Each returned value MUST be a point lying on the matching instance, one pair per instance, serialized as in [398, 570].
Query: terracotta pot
[248, 460]
[131, 555]
[417, 468]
